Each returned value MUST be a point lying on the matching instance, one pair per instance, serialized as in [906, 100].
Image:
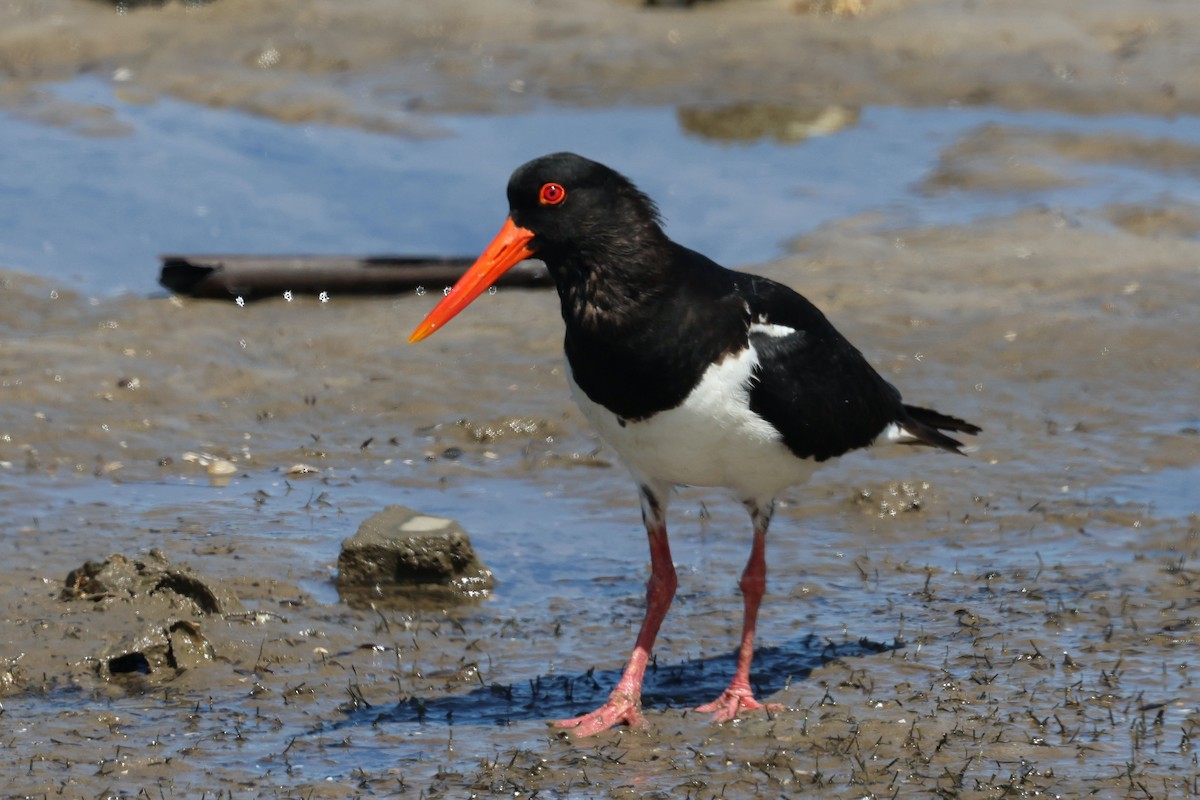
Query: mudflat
[1019, 622]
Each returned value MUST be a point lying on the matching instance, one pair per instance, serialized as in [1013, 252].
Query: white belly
[711, 439]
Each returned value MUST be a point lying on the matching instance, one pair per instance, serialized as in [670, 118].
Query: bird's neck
[616, 282]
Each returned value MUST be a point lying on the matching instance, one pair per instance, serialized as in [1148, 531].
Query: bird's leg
[625, 703]
[739, 696]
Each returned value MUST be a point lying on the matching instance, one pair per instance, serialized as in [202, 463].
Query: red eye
[552, 194]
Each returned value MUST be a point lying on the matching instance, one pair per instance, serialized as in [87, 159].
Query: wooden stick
[250, 277]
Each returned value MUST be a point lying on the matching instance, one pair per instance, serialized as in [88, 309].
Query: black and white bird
[694, 374]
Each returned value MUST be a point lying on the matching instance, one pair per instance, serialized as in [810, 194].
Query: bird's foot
[732, 702]
[620, 708]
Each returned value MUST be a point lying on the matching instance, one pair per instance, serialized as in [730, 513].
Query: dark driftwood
[228, 277]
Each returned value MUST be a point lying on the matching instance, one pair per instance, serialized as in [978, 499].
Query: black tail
[925, 426]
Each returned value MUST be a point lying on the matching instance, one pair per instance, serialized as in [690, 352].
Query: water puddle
[1173, 492]
[95, 211]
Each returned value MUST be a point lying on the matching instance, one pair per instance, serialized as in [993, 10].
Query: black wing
[817, 389]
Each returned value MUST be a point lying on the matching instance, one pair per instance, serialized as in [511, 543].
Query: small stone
[403, 552]
[221, 468]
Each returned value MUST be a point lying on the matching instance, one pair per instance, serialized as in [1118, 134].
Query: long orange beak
[510, 247]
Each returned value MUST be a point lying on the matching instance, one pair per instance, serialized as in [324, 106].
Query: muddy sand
[370, 64]
[1017, 623]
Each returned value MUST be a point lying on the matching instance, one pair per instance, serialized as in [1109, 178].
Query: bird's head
[562, 208]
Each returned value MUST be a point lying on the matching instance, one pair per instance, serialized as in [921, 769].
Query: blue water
[94, 212]
[1173, 492]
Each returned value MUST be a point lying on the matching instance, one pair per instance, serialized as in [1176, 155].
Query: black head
[574, 204]
[598, 235]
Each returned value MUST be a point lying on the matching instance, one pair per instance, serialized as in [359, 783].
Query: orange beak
[510, 247]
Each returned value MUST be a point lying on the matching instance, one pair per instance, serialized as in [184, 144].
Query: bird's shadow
[685, 684]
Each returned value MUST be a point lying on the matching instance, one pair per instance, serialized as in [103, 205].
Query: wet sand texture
[952, 618]
[376, 65]
[1018, 623]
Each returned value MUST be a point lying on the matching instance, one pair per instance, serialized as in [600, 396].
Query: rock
[406, 555]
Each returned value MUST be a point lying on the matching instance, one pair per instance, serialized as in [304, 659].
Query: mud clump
[160, 651]
[119, 576]
[162, 603]
[404, 556]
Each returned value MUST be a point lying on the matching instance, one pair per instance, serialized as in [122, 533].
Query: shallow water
[93, 212]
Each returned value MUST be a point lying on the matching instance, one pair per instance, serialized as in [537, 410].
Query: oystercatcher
[696, 375]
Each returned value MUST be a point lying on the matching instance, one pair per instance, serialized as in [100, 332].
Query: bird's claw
[619, 709]
[732, 702]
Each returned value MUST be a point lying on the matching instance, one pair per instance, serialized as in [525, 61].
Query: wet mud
[379, 65]
[1021, 622]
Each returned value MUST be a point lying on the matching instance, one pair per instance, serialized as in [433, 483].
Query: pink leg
[739, 696]
[625, 703]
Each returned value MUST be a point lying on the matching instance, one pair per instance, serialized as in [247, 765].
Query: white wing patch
[894, 432]
[769, 329]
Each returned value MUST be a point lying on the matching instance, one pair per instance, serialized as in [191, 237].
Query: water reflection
[749, 122]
